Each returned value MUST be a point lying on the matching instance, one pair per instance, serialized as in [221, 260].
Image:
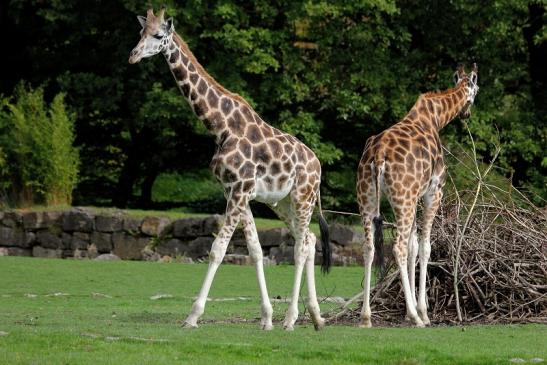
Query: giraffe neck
[211, 102]
[436, 110]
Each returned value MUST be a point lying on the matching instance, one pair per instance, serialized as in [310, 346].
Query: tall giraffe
[253, 160]
[405, 162]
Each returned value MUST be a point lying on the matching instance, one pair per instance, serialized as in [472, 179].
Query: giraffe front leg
[255, 252]
[218, 250]
[313, 305]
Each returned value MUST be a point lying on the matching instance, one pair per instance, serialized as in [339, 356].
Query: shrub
[38, 162]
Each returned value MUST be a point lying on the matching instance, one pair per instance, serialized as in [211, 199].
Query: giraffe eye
[157, 36]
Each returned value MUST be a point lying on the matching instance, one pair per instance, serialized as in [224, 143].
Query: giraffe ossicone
[253, 161]
[405, 163]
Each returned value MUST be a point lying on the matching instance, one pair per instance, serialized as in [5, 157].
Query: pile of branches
[488, 263]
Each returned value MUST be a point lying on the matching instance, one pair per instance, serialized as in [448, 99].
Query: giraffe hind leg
[404, 216]
[297, 220]
[368, 208]
[313, 305]
[432, 200]
[368, 256]
[412, 254]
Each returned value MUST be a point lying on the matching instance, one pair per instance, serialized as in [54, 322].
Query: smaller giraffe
[405, 163]
[253, 161]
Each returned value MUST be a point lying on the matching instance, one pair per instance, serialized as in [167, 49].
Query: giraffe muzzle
[466, 113]
[134, 56]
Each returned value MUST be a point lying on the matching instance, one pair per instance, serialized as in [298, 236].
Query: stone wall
[82, 233]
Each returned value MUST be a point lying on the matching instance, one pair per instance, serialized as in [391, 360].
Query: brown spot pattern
[174, 56]
[226, 105]
[179, 73]
[253, 134]
[261, 154]
[212, 98]
[202, 87]
[245, 148]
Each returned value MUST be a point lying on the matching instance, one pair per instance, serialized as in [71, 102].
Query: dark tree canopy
[332, 73]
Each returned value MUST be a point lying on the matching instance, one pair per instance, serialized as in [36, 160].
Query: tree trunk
[145, 200]
[129, 174]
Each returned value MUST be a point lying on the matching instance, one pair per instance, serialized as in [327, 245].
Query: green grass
[82, 328]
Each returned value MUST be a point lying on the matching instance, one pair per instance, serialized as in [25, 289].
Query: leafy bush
[186, 188]
[38, 163]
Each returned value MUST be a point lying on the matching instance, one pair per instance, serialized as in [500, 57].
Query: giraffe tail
[325, 242]
[379, 244]
[377, 171]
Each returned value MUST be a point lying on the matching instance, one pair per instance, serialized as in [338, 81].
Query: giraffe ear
[473, 77]
[169, 25]
[456, 78]
[142, 20]
[474, 71]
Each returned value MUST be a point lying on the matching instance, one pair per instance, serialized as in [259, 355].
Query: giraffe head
[471, 87]
[156, 34]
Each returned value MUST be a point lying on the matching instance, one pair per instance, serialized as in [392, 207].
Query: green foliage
[38, 163]
[255, 46]
[331, 72]
[304, 126]
[186, 188]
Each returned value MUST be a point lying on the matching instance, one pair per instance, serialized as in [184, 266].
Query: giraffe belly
[265, 193]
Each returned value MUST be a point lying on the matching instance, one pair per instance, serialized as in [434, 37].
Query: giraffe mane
[438, 94]
[205, 74]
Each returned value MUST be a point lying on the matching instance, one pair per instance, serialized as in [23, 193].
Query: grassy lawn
[80, 312]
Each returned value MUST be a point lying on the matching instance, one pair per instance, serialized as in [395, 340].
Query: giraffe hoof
[288, 327]
[319, 324]
[415, 321]
[423, 316]
[365, 324]
[190, 326]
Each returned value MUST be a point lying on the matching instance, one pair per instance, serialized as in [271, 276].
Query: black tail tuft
[379, 243]
[327, 253]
